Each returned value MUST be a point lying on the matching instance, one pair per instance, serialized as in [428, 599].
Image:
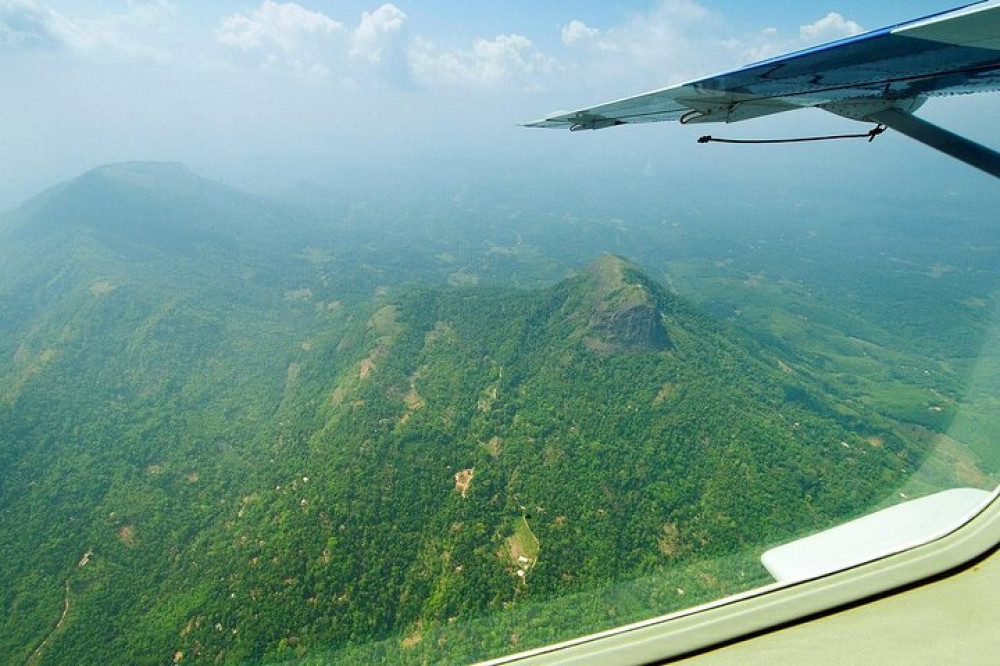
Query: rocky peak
[617, 309]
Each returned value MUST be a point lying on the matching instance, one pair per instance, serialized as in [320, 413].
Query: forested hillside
[221, 443]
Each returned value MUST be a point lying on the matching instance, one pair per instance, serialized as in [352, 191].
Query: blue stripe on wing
[894, 63]
[879, 64]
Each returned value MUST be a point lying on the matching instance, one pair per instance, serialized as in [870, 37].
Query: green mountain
[207, 455]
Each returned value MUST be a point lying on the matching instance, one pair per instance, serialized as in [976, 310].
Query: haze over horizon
[264, 95]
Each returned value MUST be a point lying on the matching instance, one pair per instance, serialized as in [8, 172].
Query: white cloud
[285, 37]
[769, 43]
[284, 27]
[506, 61]
[674, 41]
[830, 27]
[377, 51]
[575, 32]
[377, 33]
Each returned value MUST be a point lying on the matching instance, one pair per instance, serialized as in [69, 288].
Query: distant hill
[149, 227]
[209, 453]
[157, 205]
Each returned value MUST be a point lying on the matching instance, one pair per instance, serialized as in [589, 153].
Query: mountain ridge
[225, 443]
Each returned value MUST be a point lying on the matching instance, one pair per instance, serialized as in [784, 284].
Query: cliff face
[638, 328]
[615, 309]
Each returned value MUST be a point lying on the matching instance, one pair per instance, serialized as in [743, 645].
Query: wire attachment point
[875, 131]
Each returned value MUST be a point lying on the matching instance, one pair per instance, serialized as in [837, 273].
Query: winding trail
[33, 659]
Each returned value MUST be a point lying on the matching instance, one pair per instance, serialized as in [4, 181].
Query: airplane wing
[881, 76]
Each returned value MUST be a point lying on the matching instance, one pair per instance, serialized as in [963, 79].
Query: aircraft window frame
[729, 621]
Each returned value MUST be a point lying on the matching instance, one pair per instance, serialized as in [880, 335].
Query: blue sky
[229, 84]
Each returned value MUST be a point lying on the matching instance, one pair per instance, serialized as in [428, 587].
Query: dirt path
[33, 659]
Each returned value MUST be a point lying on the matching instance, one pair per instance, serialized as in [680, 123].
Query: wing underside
[953, 53]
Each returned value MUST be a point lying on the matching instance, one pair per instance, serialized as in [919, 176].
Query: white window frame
[760, 611]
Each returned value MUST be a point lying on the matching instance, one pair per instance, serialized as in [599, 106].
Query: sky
[268, 91]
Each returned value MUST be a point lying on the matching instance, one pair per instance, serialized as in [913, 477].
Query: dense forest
[238, 430]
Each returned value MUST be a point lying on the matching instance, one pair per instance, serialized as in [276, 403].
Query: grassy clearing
[523, 543]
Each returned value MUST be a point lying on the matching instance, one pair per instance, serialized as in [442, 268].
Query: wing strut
[952, 144]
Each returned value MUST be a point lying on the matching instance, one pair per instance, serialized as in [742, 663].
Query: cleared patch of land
[304, 294]
[666, 391]
[413, 639]
[494, 446]
[669, 539]
[126, 534]
[413, 400]
[463, 479]
[102, 287]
